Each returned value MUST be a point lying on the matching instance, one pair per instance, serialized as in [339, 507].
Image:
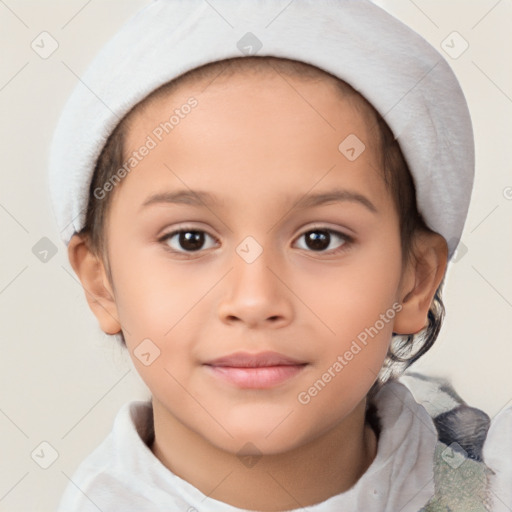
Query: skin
[292, 299]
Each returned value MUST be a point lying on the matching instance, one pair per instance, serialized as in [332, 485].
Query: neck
[309, 474]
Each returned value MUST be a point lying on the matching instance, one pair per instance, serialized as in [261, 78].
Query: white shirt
[497, 454]
[123, 474]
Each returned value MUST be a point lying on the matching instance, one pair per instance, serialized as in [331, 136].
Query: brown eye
[191, 240]
[319, 240]
[186, 240]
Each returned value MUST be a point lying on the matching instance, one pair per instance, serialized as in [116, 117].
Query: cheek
[348, 365]
[157, 308]
[154, 294]
[352, 298]
[357, 304]
[167, 304]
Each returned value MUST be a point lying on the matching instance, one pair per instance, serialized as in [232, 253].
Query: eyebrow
[202, 198]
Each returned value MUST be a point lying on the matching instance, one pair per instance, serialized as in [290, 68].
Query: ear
[99, 294]
[420, 281]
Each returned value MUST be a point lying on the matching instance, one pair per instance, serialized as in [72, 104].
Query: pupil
[318, 240]
[191, 240]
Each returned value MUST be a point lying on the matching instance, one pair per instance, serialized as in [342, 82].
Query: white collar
[399, 478]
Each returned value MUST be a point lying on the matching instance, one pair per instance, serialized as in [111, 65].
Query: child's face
[257, 146]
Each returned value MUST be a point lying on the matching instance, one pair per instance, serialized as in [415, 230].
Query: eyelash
[348, 240]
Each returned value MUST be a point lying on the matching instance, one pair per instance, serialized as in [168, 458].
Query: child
[260, 199]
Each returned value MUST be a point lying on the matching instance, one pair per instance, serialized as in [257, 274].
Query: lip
[258, 360]
[255, 371]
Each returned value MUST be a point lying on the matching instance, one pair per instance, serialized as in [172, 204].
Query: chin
[259, 438]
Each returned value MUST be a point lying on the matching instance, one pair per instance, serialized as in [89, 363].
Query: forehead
[254, 127]
[267, 78]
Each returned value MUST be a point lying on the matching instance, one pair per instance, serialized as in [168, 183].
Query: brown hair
[404, 350]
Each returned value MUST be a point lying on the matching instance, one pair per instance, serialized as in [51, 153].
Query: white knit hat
[407, 81]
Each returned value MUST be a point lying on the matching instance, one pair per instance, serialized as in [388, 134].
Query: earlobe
[421, 280]
[91, 271]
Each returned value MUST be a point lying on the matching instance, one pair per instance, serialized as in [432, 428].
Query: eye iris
[191, 240]
[318, 240]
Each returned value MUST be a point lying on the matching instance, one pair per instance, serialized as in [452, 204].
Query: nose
[255, 294]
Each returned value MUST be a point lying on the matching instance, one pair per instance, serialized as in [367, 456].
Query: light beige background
[62, 380]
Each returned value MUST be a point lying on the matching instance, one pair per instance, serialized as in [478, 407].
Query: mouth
[255, 371]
